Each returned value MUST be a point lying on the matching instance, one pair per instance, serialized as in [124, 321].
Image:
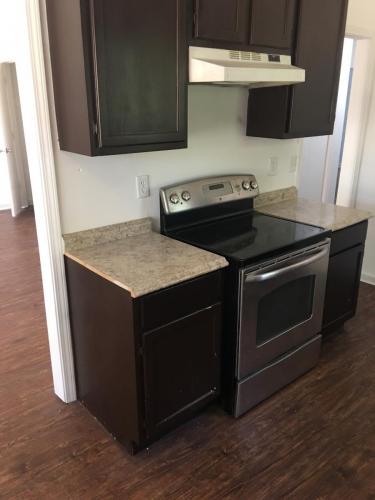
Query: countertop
[137, 259]
[286, 204]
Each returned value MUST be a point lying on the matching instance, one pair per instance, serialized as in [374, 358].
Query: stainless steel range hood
[236, 68]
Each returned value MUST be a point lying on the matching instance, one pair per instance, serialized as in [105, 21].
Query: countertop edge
[98, 272]
[136, 294]
[273, 208]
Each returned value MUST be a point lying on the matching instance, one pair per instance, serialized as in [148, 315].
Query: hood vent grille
[236, 55]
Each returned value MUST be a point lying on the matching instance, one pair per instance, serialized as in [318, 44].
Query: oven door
[281, 306]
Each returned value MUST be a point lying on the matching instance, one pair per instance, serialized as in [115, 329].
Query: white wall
[99, 191]
[335, 143]
[14, 48]
[7, 53]
[312, 167]
[362, 15]
[4, 177]
[357, 113]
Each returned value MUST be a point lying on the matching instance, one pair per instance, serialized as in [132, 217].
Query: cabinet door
[319, 52]
[343, 280]
[273, 24]
[181, 367]
[140, 59]
[222, 20]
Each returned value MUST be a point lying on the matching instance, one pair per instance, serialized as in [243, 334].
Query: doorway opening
[329, 166]
[22, 27]
[15, 185]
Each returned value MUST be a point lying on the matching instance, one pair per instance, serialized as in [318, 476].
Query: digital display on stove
[219, 189]
[214, 187]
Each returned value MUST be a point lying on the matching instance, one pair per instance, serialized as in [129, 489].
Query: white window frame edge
[47, 216]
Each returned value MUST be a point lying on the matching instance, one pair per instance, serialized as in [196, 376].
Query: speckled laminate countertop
[137, 259]
[286, 204]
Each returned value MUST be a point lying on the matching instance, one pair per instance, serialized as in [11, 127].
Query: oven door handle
[280, 272]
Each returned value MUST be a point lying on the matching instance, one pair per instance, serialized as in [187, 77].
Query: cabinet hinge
[141, 351]
[95, 128]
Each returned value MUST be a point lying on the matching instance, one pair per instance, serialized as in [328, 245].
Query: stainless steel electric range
[274, 286]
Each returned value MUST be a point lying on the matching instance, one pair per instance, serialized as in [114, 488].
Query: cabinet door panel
[273, 23]
[222, 20]
[319, 51]
[343, 280]
[181, 365]
[140, 66]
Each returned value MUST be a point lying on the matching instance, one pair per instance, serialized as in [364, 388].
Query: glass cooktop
[248, 237]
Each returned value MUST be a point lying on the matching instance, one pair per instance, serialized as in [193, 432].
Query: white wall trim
[43, 181]
[359, 33]
[368, 278]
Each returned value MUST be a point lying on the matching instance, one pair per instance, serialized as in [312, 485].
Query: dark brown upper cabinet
[261, 25]
[222, 20]
[273, 24]
[119, 73]
[307, 109]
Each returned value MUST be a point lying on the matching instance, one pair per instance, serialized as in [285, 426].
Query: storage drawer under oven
[281, 306]
[264, 383]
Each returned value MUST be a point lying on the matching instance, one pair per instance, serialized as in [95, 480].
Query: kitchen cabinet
[119, 74]
[306, 109]
[344, 274]
[181, 366]
[273, 25]
[261, 25]
[222, 21]
[144, 365]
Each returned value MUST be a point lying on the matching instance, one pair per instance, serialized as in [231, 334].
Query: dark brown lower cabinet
[142, 365]
[181, 367]
[344, 275]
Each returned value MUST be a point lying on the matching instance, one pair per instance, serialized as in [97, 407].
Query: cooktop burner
[250, 236]
[218, 214]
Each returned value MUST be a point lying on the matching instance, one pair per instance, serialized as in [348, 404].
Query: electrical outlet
[143, 186]
[293, 164]
[273, 166]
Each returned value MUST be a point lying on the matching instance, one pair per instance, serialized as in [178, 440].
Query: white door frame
[47, 216]
[356, 33]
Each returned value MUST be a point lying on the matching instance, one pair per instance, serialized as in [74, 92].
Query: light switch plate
[293, 164]
[143, 186]
[273, 166]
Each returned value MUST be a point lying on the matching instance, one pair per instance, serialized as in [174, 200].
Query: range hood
[237, 68]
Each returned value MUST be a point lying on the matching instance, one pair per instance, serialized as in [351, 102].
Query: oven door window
[284, 308]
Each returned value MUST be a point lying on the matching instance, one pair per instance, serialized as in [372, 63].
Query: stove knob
[254, 185]
[246, 185]
[174, 198]
[186, 196]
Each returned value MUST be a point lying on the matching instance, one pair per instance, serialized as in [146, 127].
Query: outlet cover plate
[143, 186]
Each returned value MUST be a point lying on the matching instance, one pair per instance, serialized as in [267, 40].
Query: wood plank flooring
[315, 439]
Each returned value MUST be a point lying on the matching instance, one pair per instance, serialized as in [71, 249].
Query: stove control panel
[208, 191]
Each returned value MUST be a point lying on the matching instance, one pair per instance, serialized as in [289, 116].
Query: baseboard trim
[368, 278]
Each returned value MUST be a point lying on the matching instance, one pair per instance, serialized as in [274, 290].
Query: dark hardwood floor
[315, 439]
